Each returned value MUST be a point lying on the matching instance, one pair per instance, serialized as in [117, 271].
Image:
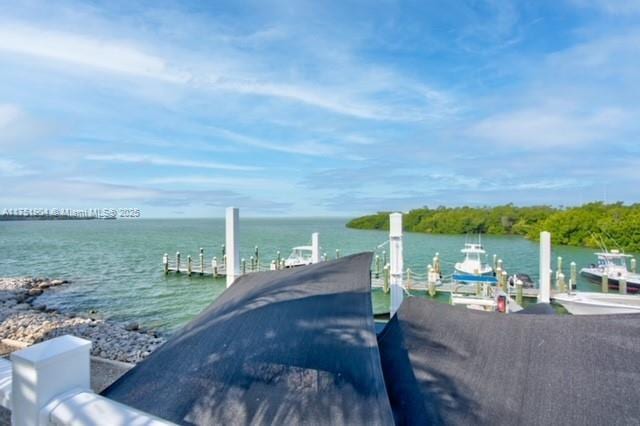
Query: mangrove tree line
[618, 225]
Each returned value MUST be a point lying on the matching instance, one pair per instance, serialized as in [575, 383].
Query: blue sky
[295, 108]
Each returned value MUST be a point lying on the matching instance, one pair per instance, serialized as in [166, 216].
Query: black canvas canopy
[455, 366]
[282, 347]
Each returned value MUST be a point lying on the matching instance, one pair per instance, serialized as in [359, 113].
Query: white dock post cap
[395, 225]
[45, 370]
[544, 292]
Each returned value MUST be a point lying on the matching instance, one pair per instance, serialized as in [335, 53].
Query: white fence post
[231, 242]
[544, 292]
[396, 260]
[315, 248]
[46, 370]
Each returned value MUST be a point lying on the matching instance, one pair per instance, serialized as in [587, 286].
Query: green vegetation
[617, 224]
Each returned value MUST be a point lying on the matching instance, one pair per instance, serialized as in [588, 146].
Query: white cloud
[235, 73]
[223, 182]
[613, 7]
[10, 168]
[305, 148]
[167, 161]
[9, 114]
[107, 55]
[542, 127]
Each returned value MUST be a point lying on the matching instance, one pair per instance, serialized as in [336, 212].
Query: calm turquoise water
[116, 265]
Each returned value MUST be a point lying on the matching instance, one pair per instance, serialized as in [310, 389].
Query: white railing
[49, 384]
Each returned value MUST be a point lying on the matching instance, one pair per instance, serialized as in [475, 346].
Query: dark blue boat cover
[285, 347]
[456, 366]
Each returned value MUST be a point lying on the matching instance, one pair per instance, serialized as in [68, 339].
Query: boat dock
[449, 287]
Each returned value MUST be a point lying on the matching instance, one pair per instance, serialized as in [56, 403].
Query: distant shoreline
[594, 225]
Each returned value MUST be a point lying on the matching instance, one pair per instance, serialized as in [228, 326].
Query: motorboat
[613, 264]
[588, 303]
[473, 261]
[300, 256]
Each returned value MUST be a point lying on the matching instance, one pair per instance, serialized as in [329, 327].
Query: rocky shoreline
[24, 320]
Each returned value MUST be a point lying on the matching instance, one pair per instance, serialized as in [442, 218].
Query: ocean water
[116, 266]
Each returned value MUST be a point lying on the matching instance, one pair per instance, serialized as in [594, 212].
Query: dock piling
[243, 262]
[574, 276]
[165, 263]
[256, 253]
[337, 253]
[214, 267]
[378, 266]
[201, 261]
[558, 266]
[561, 286]
[397, 261]
[315, 247]
[622, 286]
[431, 282]
[189, 265]
[178, 262]
[385, 283]
[605, 283]
[519, 292]
[273, 265]
[232, 249]
[633, 265]
[505, 282]
[544, 293]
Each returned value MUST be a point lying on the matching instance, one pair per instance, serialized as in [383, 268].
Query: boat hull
[462, 270]
[633, 285]
[598, 304]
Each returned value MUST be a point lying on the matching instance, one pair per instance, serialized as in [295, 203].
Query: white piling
[165, 263]
[44, 371]
[396, 261]
[177, 261]
[214, 267]
[315, 247]
[622, 286]
[544, 292]
[232, 250]
[201, 261]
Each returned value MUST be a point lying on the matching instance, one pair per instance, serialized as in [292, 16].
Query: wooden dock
[466, 289]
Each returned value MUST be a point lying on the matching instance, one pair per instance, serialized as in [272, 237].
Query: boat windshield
[300, 254]
[612, 261]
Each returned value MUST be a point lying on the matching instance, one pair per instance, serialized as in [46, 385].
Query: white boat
[472, 263]
[614, 265]
[300, 256]
[587, 303]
